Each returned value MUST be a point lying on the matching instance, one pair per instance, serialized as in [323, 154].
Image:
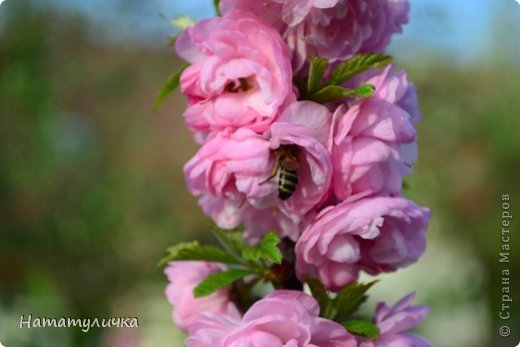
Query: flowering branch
[307, 131]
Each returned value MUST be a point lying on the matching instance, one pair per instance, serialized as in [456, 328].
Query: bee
[286, 170]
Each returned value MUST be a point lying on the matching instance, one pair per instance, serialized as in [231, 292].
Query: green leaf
[350, 298]
[365, 91]
[217, 8]
[182, 22]
[317, 71]
[232, 240]
[171, 84]
[345, 303]
[333, 93]
[215, 281]
[362, 328]
[267, 249]
[194, 251]
[320, 294]
[356, 65]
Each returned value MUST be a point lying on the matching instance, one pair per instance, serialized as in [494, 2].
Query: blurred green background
[92, 191]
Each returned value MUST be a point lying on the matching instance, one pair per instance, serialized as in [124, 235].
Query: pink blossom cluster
[284, 318]
[345, 211]
[337, 29]
[243, 107]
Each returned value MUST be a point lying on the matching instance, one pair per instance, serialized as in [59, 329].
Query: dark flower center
[243, 84]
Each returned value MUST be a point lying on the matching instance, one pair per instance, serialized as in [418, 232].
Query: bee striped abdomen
[287, 181]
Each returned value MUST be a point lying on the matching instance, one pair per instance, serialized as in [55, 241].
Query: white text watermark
[505, 259]
[85, 324]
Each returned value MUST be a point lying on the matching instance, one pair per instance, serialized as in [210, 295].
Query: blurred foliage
[89, 178]
[469, 156]
[91, 186]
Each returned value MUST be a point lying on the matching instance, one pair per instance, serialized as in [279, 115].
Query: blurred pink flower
[337, 29]
[119, 338]
[394, 323]
[283, 318]
[231, 172]
[240, 76]
[379, 234]
[374, 139]
[184, 276]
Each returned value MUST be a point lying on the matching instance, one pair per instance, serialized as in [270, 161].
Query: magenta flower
[282, 319]
[337, 29]
[183, 278]
[374, 141]
[240, 75]
[394, 323]
[233, 172]
[379, 234]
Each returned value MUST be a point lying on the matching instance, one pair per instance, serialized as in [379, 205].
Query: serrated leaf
[356, 65]
[362, 328]
[350, 298]
[231, 240]
[171, 84]
[317, 71]
[320, 294]
[333, 93]
[215, 281]
[267, 249]
[194, 251]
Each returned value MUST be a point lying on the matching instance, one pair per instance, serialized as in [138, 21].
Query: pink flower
[231, 165]
[306, 126]
[379, 234]
[184, 277]
[259, 221]
[337, 29]
[282, 319]
[374, 141]
[233, 172]
[240, 75]
[394, 323]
